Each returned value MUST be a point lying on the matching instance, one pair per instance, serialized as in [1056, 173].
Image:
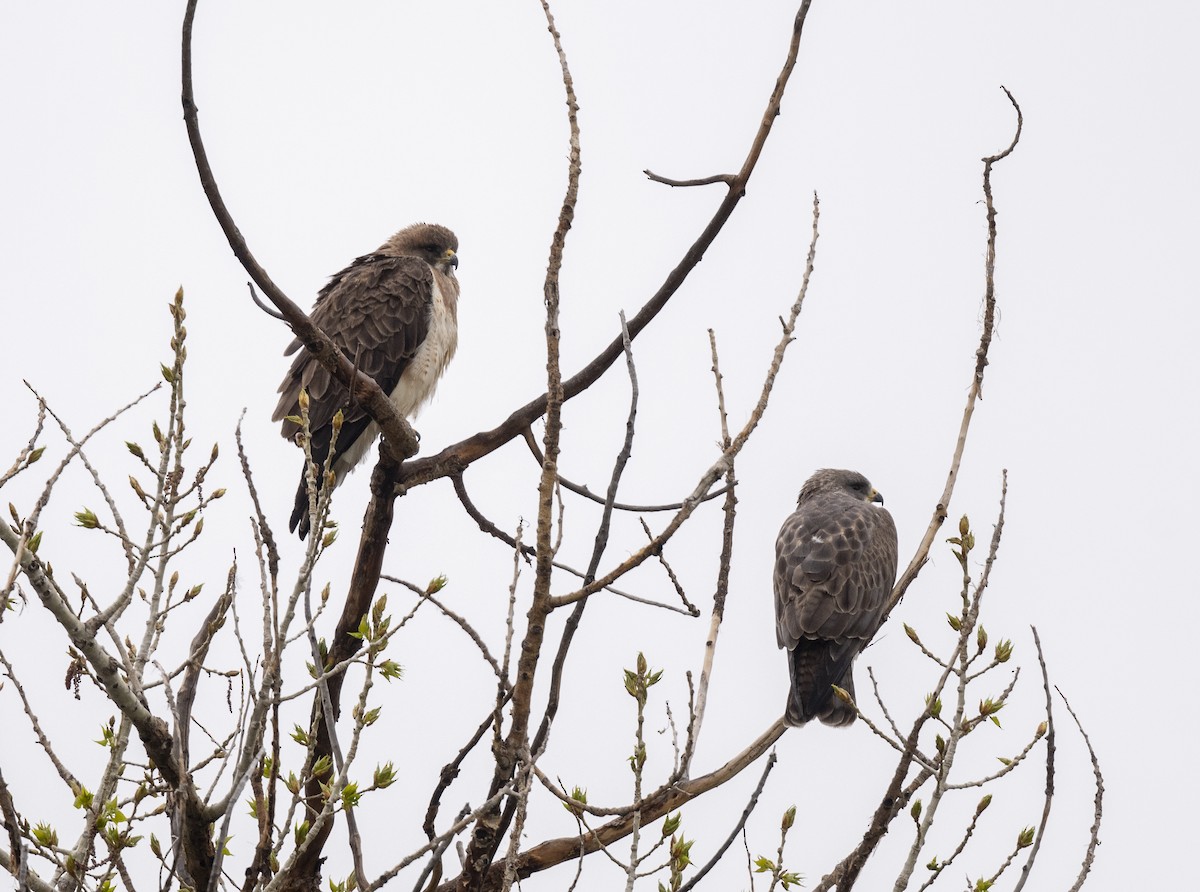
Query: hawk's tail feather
[352, 430]
[299, 522]
[814, 672]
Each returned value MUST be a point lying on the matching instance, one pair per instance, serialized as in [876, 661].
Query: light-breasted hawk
[394, 314]
[835, 564]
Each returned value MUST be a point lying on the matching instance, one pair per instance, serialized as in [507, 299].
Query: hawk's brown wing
[834, 569]
[377, 310]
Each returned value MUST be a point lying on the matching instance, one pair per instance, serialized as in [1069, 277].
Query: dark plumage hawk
[394, 314]
[835, 564]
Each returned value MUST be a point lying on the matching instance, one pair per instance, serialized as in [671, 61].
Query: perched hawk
[835, 564]
[394, 314]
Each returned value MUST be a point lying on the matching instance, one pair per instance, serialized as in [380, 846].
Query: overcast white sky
[330, 126]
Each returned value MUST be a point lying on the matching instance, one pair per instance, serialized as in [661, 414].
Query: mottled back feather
[835, 564]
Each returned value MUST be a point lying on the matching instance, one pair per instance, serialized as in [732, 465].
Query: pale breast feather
[418, 381]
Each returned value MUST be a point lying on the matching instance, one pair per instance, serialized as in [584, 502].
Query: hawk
[394, 314]
[835, 564]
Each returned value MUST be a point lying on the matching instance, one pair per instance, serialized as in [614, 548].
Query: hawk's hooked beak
[451, 258]
[875, 496]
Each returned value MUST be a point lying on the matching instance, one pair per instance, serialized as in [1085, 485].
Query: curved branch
[361, 387]
[580, 490]
[262, 306]
[724, 463]
[976, 392]
[726, 178]
[653, 807]
[1094, 837]
[459, 455]
[1027, 867]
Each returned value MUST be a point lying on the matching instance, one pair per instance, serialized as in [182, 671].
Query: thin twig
[528, 551]
[581, 490]
[1094, 836]
[727, 178]
[729, 517]
[666, 799]
[689, 608]
[270, 311]
[1027, 867]
[738, 828]
[723, 464]
[985, 340]
[457, 456]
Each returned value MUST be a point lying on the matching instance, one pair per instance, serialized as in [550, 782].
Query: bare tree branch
[581, 490]
[976, 391]
[665, 799]
[456, 457]
[737, 830]
[1094, 836]
[362, 388]
[1027, 867]
[727, 178]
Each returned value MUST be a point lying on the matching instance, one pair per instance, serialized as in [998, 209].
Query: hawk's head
[830, 480]
[434, 244]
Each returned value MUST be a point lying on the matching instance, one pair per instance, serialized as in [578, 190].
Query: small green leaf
[45, 834]
[671, 824]
[384, 776]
